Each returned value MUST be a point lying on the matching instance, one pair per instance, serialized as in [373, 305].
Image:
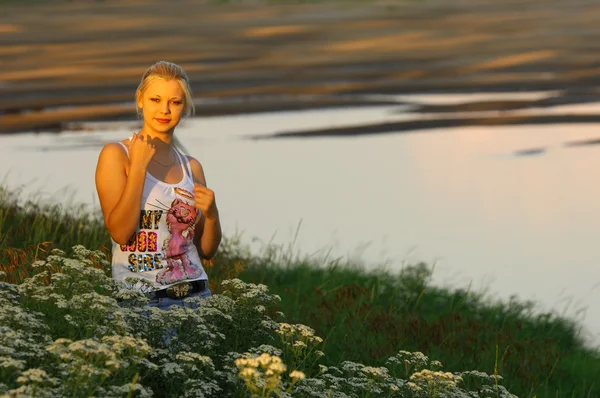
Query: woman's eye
[177, 102]
[154, 99]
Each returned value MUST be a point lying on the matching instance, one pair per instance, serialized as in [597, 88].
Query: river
[511, 210]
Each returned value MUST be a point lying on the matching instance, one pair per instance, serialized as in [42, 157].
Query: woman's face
[162, 104]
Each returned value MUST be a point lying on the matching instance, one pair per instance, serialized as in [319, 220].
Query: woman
[161, 216]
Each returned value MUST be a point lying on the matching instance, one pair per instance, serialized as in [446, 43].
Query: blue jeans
[166, 302]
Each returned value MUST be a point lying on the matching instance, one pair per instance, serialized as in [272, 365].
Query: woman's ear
[138, 100]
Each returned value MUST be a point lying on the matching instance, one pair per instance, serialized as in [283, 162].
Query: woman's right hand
[140, 151]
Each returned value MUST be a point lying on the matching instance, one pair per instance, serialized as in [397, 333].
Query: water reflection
[509, 224]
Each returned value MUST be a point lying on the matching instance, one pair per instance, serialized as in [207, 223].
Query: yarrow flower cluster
[111, 344]
[435, 381]
[262, 373]
[300, 343]
[409, 362]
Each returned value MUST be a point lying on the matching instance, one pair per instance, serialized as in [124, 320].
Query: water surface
[508, 209]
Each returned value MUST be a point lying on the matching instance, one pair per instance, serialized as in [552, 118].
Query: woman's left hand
[205, 201]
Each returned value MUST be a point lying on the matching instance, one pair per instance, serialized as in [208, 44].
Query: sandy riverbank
[84, 62]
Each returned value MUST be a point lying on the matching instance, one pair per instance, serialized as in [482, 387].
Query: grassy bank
[363, 317]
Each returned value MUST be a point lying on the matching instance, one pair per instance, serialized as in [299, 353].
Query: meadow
[279, 324]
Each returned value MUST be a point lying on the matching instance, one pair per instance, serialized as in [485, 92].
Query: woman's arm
[208, 234]
[120, 183]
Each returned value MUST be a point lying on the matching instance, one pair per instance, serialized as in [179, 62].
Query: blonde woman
[161, 216]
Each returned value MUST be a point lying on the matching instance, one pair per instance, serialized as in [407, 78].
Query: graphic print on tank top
[173, 260]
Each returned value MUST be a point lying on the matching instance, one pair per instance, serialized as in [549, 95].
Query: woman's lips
[163, 120]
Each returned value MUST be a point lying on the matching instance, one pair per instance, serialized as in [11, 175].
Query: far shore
[254, 56]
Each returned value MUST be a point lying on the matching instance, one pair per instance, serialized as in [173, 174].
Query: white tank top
[161, 250]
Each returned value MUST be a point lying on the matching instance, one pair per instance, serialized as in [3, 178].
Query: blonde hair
[167, 71]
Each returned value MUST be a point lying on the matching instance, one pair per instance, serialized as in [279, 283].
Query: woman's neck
[163, 143]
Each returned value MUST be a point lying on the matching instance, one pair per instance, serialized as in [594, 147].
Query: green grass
[364, 316]
[29, 229]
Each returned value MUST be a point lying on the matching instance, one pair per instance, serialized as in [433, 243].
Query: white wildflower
[297, 375]
[371, 371]
[10, 363]
[249, 373]
[194, 357]
[299, 344]
[413, 386]
[266, 348]
[38, 264]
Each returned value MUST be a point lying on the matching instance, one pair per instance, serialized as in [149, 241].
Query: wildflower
[413, 386]
[277, 367]
[262, 372]
[249, 373]
[265, 348]
[299, 344]
[171, 370]
[373, 372]
[194, 357]
[264, 359]
[297, 375]
[481, 376]
[10, 364]
[285, 328]
[38, 264]
[435, 380]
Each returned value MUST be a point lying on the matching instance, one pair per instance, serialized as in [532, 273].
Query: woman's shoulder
[192, 160]
[117, 145]
[115, 149]
[197, 169]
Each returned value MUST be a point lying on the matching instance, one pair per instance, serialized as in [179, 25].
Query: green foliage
[29, 230]
[363, 317]
[227, 345]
